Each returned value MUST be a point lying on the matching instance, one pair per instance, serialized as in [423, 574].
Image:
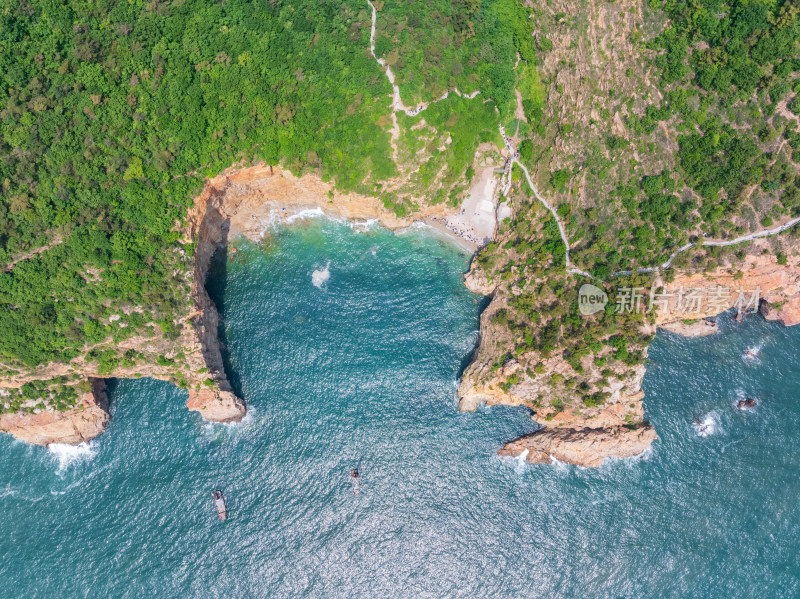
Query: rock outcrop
[586, 435]
[698, 328]
[214, 399]
[74, 426]
[774, 287]
[587, 447]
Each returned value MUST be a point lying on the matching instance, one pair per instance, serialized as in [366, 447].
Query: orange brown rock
[588, 447]
[74, 426]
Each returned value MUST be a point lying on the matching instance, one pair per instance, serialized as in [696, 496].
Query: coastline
[240, 201]
[252, 199]
[248, 201]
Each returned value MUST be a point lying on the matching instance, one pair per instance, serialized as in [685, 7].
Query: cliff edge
[612, 423]
[87, 420]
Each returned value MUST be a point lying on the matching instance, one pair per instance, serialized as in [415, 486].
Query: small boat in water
[355, 482]
[219, 503]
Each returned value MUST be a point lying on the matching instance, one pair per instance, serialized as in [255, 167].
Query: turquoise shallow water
[361, 370]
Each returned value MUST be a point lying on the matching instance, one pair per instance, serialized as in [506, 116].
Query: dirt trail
[56, 240]
[397, 102]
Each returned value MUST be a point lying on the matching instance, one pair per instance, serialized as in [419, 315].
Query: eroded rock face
[700, 328]
[778, 285]
[216, 405]
[477, 281]
[74, 426]
[588, 447]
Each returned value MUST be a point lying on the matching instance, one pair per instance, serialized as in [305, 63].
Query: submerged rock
[587, 447]
[744, 404]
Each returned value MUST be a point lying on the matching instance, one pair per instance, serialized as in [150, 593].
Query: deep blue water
[362, 371]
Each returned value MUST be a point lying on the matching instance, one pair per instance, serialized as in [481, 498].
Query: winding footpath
[56, 240]
[514, 159]
[397, 102]
[399, 106]
[742, 239]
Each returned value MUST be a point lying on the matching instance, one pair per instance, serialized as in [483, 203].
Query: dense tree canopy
[112, 113]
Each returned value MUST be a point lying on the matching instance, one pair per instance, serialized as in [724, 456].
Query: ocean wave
[709, 425]
[68, 455]
[752, 354]
[628, 462]
[560, 466]
[363, 226]
[220, 431]
[320, 276]
[308, 213]
[8, 492]
[16, 494]
[518, 463]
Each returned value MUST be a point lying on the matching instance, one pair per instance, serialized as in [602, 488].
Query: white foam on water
[309, 213]
[517, 463]
[68, 455]
[628, 462]
[217, 430]
[417, 225]
[753, 354]
[8, 492]
[520, 462]
[707, 426]
[363, 226]
[560, 466]
[320, 276]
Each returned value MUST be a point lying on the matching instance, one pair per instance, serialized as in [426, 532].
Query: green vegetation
[704, 144]
[57, 393]
[112, 113]
[465, 44]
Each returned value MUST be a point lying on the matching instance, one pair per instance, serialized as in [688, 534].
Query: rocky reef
[587, 447]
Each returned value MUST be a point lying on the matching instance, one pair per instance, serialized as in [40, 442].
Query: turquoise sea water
[361, 369]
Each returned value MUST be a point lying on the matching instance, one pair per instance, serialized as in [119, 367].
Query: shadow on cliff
[216, 285]
[470, 356]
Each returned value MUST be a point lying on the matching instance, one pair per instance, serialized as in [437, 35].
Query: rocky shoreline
[75, 426]
[246, 201]
[587, 436]
[588, 447]
[240, 201]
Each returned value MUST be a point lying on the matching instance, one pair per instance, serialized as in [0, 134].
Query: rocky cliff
[586, 434]
[240, 201]
[587, 447]
[87, 420]
[756, 283]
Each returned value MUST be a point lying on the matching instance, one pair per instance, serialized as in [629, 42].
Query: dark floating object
[750, 402]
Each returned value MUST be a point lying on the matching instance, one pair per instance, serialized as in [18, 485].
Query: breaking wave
[320, 276]
[69, 455]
